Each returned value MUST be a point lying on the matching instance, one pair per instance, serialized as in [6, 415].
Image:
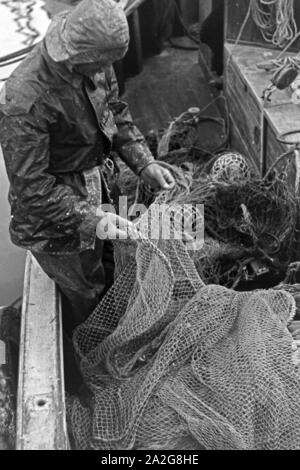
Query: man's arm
[131, 145]
[129, 142]
[25, 143]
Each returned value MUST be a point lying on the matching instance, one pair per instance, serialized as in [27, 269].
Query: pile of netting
[246, 218]
[173, 357]
[174, 364]
[244, 221]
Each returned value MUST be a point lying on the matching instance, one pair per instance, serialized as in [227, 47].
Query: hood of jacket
[95, 30]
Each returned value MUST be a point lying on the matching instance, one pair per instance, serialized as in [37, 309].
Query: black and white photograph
[149, 228]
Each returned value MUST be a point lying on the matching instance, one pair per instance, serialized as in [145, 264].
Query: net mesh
[237, 230]
[173, 363]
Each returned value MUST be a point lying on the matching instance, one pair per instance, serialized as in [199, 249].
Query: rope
[182, 187]
[276, 20]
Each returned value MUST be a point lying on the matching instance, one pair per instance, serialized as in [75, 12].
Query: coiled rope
[275, 19]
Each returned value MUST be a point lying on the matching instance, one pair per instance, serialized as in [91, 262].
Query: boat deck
[169, 84]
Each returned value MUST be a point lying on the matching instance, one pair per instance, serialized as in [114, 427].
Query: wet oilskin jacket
[55, 128]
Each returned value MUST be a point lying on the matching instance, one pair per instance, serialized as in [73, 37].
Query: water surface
[22, 23]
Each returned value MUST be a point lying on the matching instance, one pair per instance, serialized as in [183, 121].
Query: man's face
[88, 69]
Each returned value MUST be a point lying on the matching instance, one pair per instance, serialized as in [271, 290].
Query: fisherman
[60, 121]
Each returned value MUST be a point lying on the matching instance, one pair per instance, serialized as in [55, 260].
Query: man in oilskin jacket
[60, 120]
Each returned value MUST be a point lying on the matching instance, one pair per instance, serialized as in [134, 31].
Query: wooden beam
[133, 63]
[205, 8]
[189, 10]
[41, 420]
[132, 6]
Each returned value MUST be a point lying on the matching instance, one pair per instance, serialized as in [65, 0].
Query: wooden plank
[240, 145]
[131, 5]
[285, 118]
[205, 8]
[133, 62]
[246, 59]
[41, 421]
[280, 116]
[56, 6]
[245, 112]
[189, 10]
[273, 150]
[247, 121]
[53, 7]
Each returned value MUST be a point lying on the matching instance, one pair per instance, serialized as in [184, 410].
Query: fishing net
[175, 359]
[257, 215]
[174, 364]
[245, 219]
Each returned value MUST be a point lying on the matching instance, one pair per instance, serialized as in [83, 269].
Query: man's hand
[113, 227]
[158, 177]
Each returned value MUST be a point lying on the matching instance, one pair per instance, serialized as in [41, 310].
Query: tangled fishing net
[246, 217]
[174, 364]
[173, 356]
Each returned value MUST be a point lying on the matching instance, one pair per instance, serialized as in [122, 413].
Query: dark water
[11, 258]
[22, 23]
